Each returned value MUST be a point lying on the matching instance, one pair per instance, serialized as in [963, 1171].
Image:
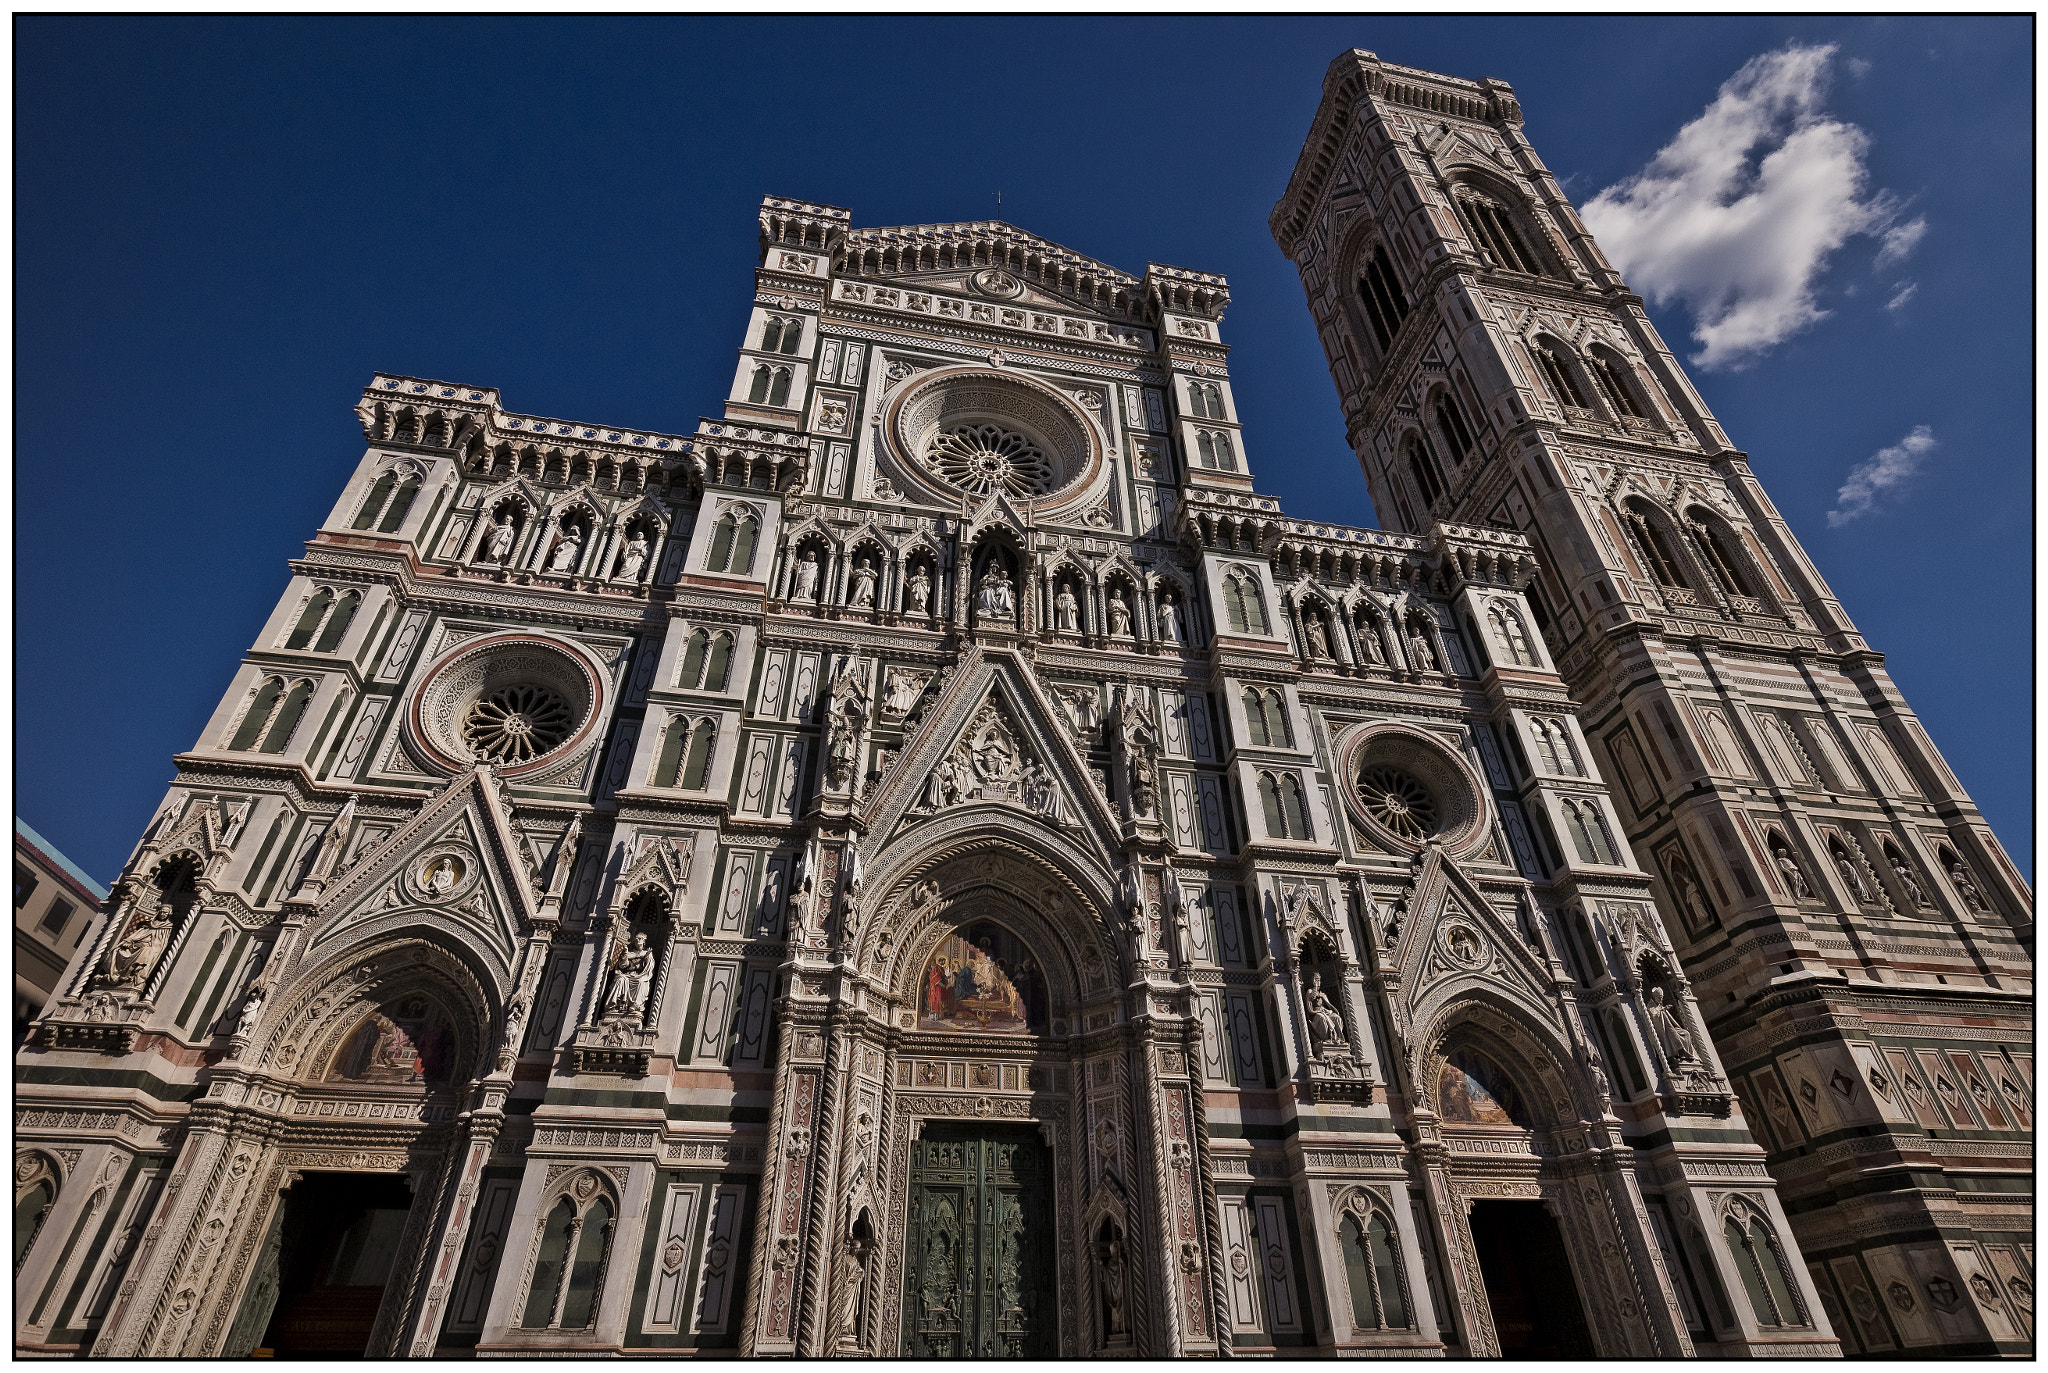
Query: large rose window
[515, 701]
[1410, 788]
[979, 431]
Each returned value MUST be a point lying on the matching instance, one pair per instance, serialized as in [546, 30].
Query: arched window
[1764, 1274]
[287, 718]
[401, 506]
[720, 555]
[1205, 448]
[261, 708]
[697, 767]
[1276, 720]
[1612, 374]
[1371, 1264]
[1450, 421]
[374, 502]
[1557, 372]
[692, 673]
[743, 546]
[568, 1270]
[1567, 751]
[669, 764]
[309, 621]
[1243, 608]
[758, 393]
[792, 334]
[1589, 832]
[1291, 806]
[1269, 802]
[1380, 292]
[1422, 465]
[34, 1195]
[1494, 229]
[1255, 717]
[778, 394]
[771, 335]
[1663, 566]
[1714, 553]
[1205, 400]
[338, 623]
[1546, 746]
[1226, 457]
[718, 667]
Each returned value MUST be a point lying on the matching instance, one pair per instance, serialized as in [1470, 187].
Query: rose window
[513, 724]
[1397, 801]
[983, 458]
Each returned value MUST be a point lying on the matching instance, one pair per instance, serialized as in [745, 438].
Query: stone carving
[1903, 871]
[1795, 877]
[1067, 610]
[863, 596]
[805, 584]
[1959, 877]
[989, 762]
[1136, 753]
[1672, 1035]
[237, 818]
[1083, 709]
[845, 716]
[1119, 616]
[563, 559]
[849, 1276]
[1169, 621]
[995, 598]
[1318, 639]
[625, 997]
[900, 690]
[920, 590]
[1325, 1024]
[633, 558]
[498, 545]
[1419, 650]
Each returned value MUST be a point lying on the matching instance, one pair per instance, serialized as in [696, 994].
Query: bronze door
[980, 1245]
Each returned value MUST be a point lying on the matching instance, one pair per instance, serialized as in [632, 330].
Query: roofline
[47, 851]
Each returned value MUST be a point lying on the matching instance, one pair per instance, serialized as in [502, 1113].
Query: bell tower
[1860, 945]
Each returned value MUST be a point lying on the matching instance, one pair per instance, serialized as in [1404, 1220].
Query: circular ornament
[1407, 788]
[996, 283]
[518, 701]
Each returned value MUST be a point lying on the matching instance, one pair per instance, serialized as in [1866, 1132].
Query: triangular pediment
[458, 866]
[1033, 270]
[1455, 932]
[993, 737]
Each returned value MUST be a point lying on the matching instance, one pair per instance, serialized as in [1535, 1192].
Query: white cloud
[1880, 473]
[1906, 292]
[1899, 242]
[1736, 216]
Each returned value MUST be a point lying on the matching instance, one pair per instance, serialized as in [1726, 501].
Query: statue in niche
[1967, 889]
[1138, 750]
[920, 590]
[1169, 621]
[128, 963]
[849, 1273]
[498, 547]
[863, 596]
[444, 873]
[806, 577]
[1589, 1063]
[625, 997]
[1109, 1254]
[1664, 1023]
[1325, 1024]
[1904, 872]
[1041, 794]
[1795, 877]
[252, 1009]
[1119, 616]
[1318, 638]
[634, 558]
[563, 559]
[1084, 710]
[1854, 879]
[1369, 639]
[995, 599]
[1067, 610]
[845, 716]
[1419, 649]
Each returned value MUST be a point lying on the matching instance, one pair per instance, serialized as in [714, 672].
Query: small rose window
[516, 723]
[1398, 801]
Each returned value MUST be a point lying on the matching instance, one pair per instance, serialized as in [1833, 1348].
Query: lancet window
[1773, 1292]
[1422, 466]
[1553, 358]
[1379, 1291]
[732, 543]
[1450, 421]
[1612, 376]
[273, 716]
[1663, 566]
[782, 334]
[1280, 798]
[707, 661]
[382, 501]
[1205, 400]
[1244, 609]
[324, 621]
[1494, 229]
[1379, 291]
[569, 1266]
[1265, 715]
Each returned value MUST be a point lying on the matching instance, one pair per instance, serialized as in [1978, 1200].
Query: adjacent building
[935, 863]
[55, 905]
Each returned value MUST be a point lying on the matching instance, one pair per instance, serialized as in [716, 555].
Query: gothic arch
[1518, 1037]
[319, 1005]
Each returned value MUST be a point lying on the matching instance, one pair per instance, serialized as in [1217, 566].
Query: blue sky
[224, 226]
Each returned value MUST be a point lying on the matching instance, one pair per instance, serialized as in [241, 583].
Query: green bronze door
[980, 1246]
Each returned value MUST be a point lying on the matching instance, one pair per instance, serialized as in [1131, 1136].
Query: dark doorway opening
[335, 1246]
[1537, 1313]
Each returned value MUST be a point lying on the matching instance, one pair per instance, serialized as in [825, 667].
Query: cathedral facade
[934, 863]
